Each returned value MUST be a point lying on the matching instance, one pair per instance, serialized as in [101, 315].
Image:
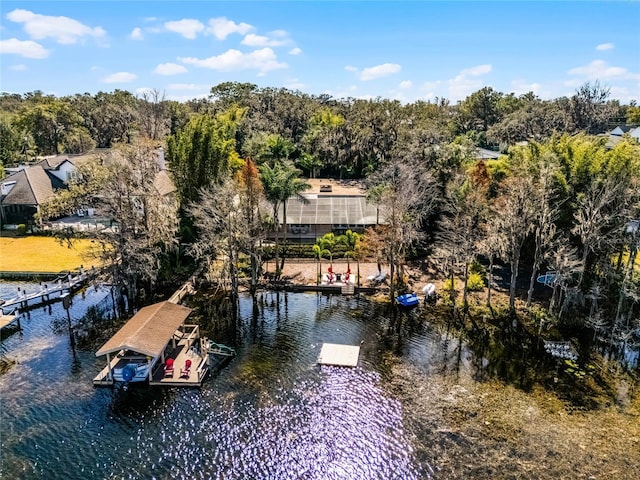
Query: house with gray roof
[617, 134]
[22, 193]
[621, 130]
[486, 154]
[328, 206]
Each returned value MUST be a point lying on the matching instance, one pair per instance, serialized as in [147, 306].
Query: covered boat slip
[155, 334]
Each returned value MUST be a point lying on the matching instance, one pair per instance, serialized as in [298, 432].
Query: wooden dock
[186, 289]
[6, 320]
[152, 336]
[156, 334]
[46, 293]
[181, 353]
[333, 288]
[339, 355]
[198, 370]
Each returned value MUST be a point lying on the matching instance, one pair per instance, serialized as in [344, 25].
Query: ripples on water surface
[271, 412]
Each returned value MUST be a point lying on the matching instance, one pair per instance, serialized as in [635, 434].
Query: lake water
[271, 412]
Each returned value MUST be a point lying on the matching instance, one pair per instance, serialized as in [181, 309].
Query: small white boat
[131, 372]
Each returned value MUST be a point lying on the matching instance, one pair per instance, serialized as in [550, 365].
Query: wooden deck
[6, 320]
[48, 293]
[182, 352]
[199, 369]
[339, 355]
[333, 288]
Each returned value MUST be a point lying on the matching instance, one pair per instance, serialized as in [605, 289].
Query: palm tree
[276, 149]
[281, 182]
[351, 241]
[319, 252]
[292, 186]
[271, 184]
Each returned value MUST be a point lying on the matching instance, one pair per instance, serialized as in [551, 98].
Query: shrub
[22, 229]
[475, 283]
[477, 267]
[449, 285]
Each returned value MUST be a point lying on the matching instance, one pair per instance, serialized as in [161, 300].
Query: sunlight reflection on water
[270, 413]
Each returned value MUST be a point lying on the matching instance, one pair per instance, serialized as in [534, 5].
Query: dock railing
[49, 291]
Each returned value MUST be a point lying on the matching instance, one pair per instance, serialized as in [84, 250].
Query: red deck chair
[168, 368]
[186, 371]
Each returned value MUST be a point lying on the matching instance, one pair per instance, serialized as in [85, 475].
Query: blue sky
[394, 49]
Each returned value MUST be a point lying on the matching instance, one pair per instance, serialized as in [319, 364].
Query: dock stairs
[348, 289]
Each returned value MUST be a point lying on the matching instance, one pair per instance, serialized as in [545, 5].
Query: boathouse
[149, 339]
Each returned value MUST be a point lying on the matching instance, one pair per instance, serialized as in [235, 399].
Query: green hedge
[299, 250]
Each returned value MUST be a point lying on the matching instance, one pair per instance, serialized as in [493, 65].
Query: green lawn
[44, 254]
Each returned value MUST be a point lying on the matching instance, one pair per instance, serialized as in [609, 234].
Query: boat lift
[213, 348]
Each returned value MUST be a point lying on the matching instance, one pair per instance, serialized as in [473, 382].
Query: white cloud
[477, 70]
[20, 67]
[431, 85]
[25, 48]
[384, 70]
[221, 28]
[405, 84]
[467, 81]
[626, 95]
[344, 92]
[120, 77]
[350, 68]
[169, 69]
[520, 87]
[262, 60]
[605, 46]
[253, 40]
[186, 98]
[64, 30]
[294, 84]
[429, 89]
[186, 27]
[144, 90]
[295, 51]
[136, 34]
[600, 70]
[398, 95]
[186, 86]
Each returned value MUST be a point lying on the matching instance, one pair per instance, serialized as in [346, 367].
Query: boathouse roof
[149, 331]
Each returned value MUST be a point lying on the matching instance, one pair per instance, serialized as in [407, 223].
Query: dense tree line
[325, 136]
[557, 199]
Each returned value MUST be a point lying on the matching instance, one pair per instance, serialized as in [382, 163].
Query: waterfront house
[23, 192]
[329, 206]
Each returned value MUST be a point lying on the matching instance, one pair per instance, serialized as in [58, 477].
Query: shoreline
[464, 428]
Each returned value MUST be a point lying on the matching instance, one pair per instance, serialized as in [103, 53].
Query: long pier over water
[48, 292]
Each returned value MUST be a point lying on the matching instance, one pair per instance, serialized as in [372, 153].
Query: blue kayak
[408, 300]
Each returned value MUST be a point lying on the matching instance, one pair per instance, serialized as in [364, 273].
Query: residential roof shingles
[33, 187]
[148, 331]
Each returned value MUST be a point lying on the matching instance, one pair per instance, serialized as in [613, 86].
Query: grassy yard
[44, 254]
